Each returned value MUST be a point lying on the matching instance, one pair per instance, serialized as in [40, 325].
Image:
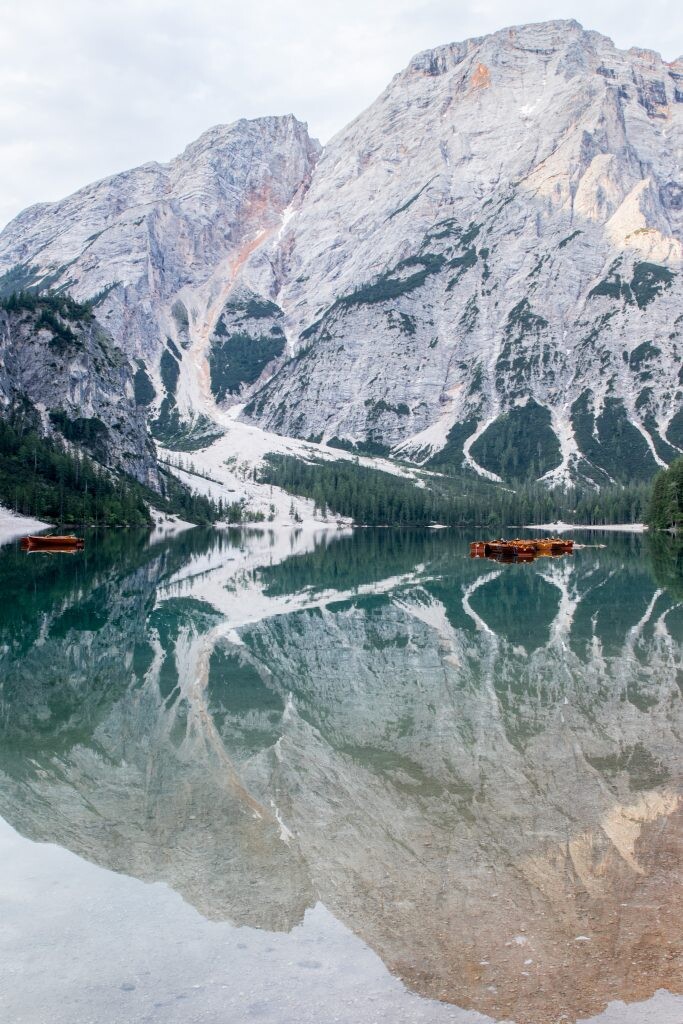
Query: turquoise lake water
[355, 777]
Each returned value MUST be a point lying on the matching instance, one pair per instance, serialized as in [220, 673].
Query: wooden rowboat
[53, 542]
[521, 549]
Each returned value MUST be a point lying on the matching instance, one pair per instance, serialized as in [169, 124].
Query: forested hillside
[374, 498]
[665, 511]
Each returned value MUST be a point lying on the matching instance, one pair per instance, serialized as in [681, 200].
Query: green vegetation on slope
[665, 511]
[614, 447]
[348, 489]
[88, 432]
[240, 359]
[50, 305]
[449, 459]
[190, 505]
[39, 477]
[648, 281]
[394, 283]
[374, 498]
[144, 389]
[519, 445]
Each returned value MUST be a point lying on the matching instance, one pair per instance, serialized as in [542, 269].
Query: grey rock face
[483, 269]
[167, 243]
[502, 227]
[66, 373]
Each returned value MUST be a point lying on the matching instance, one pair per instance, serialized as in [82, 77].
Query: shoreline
[13, 525]
[572, 527]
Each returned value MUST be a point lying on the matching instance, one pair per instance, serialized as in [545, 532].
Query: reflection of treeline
[371, 497]
[666, 559]
[374, 555]
[76, 635]
[366, 556]
[67, 635]
[43, 586]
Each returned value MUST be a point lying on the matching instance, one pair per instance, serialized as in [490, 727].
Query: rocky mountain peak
[483, 268]
[549, 36]
[457, 245]
[163, 245]
[222, 138]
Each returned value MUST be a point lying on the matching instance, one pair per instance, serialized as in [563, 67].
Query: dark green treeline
[376, 498]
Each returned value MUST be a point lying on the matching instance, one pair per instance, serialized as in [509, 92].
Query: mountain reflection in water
[476, 768]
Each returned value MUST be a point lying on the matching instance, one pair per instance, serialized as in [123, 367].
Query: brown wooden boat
[521, 549]
[52, 542]
[554, 546]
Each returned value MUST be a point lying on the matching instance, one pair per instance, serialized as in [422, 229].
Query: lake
[339, 777]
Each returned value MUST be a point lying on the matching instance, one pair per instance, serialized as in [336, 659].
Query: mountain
[487, 263]
[482, 271]
[163, 246]
[62, 373]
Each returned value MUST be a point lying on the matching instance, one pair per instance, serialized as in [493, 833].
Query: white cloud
[88, 89]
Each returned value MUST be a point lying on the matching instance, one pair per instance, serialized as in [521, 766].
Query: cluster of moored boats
[521, 550]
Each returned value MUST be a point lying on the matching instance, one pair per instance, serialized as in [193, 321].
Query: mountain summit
[482, 269]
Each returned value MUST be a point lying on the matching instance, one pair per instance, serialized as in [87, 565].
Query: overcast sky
[89, 87]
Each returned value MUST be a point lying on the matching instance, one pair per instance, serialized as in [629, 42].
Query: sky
[91, 87]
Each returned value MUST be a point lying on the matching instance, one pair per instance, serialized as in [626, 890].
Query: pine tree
[665, 509]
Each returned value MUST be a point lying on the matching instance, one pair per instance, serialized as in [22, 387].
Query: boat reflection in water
[477, 771]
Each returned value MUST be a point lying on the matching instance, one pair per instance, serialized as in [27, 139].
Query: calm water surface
[357, 778]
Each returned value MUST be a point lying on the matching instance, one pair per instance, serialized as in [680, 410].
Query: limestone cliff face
[498, 235]
[483, 269]
[60, 369]
[163, 245]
